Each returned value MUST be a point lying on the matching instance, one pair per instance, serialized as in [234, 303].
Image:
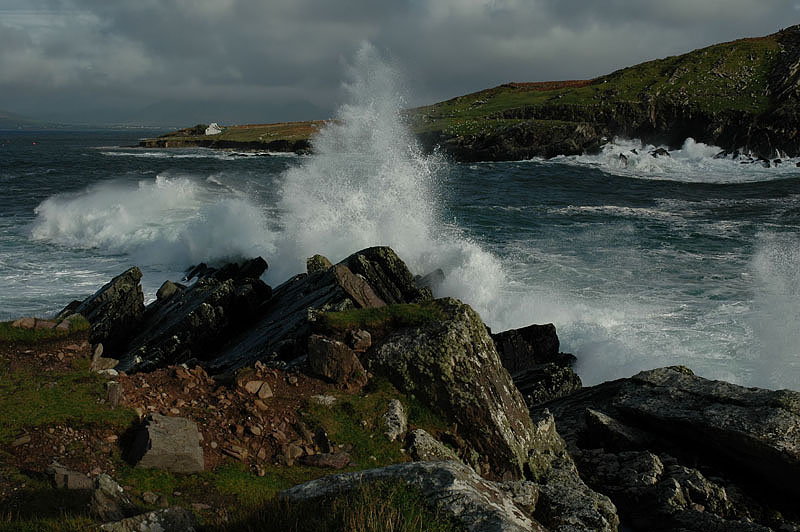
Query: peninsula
[743, 94]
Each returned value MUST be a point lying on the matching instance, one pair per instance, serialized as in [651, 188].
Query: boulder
[109, 502]
[524, 348]
[451, 365]
[63, 478]
[481, 505]
[335, 361]
[676, 451]
[388, 275]
[174, 519]
[115, 312]
[539, 371]
[168, 443]
[24, 323]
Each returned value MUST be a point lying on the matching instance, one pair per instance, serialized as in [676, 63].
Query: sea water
[639, 263]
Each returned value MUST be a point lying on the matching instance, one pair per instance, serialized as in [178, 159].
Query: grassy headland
[735, 94]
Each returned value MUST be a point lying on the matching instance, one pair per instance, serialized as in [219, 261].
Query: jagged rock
[565, 502]
[660, 152]
[335, 361]
[481, 505]
[423, 447]
[174, 519]
[281, 332]
[115, 311]
[63, 478]
[317, 264]
[168, 443]
[452, 366]
[168, 289]
[546, 382]
[639, 440]
[388, 275]
[524, 348]
[109, 502]
[396, 420]
[192, 323]
[754, 429]
[539, 371]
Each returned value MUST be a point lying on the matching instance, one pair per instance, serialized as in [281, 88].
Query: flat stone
[45, 324]
[64, 478]
[109, 501]
[338, 460]
[168, 443]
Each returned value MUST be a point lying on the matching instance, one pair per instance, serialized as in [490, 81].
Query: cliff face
[742, 94]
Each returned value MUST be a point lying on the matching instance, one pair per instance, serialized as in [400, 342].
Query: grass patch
[10, 334]
[373, 507]
[39, 399]
[390, 316]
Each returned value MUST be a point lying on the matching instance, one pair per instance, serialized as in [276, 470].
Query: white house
[213, 129]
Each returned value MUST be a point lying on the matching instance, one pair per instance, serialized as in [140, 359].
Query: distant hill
[740, 94]
[13, 121]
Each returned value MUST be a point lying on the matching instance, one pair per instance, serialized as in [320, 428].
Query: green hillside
[740, 94]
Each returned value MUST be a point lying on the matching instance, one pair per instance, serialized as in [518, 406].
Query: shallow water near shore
[672, 260]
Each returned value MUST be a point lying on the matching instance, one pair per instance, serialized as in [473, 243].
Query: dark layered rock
[369, 278]
[481, 505]
[676, 451]
[193, 323]
[539, 371]
[115, 312]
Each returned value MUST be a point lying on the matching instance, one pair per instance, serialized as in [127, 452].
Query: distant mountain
[14, 121]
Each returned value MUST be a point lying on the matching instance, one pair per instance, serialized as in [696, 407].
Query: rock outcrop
[676, 451]
[115, 312]
[452, 366]
[481, 505]
[540, 371]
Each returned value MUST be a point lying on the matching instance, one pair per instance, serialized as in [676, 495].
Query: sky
[180, 62]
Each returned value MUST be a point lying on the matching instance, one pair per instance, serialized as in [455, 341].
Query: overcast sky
[179, 62]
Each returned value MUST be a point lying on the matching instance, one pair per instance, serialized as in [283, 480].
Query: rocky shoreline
[220, 366]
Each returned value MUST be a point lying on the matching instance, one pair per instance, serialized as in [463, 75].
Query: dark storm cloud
[249, 60]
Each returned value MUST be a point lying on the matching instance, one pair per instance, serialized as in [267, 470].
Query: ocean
[642, 263]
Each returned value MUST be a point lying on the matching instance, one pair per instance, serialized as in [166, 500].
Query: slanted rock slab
[481, 505]
[168, 443]
[174, 519]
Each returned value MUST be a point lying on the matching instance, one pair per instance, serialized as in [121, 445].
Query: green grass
[402, 315]
[9, 334]
[373, 507]
[35, 399]
[728, 77]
